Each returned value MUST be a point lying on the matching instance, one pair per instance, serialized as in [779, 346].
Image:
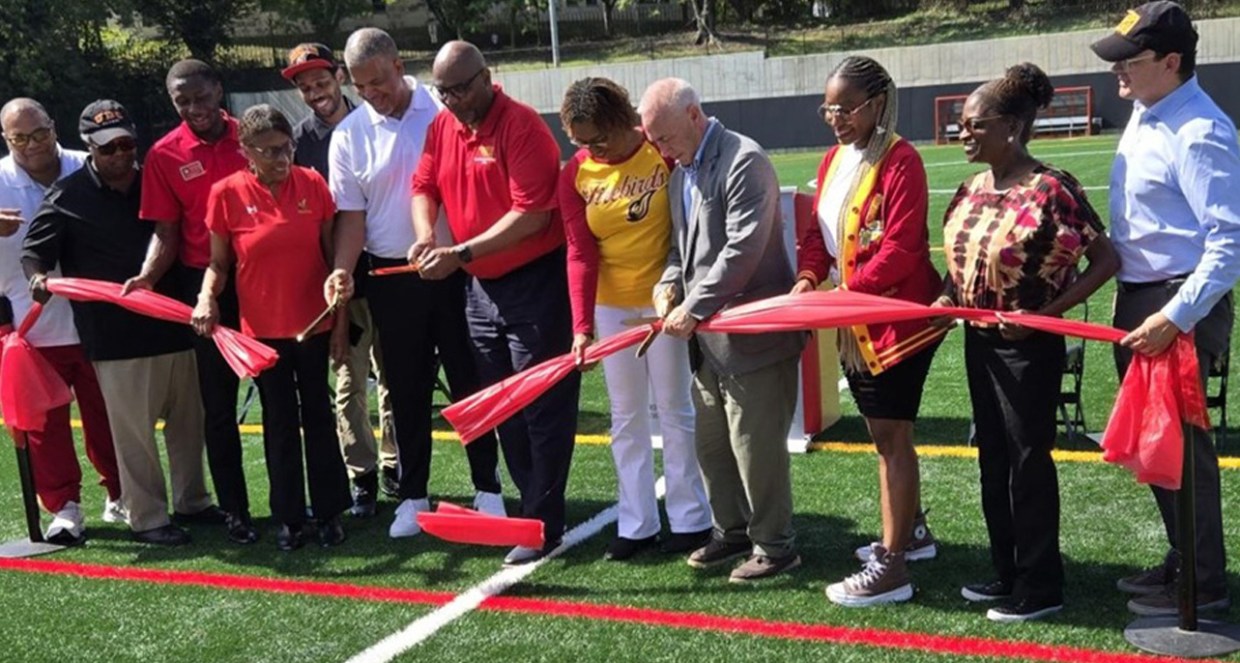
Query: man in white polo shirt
[373, 155]
[35, 162]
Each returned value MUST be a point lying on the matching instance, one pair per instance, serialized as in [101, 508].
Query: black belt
[1174, 281]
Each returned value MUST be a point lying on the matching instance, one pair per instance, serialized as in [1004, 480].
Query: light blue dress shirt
[1175, 200]
[691, 171]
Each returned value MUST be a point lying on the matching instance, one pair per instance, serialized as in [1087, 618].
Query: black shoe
[621, 548]
[995, 590]
[365, 495]
[683, 542]
[1024, 609]
[240, 528]
[330, 533]
[718, 552]
[390, 483]
[290, 537]
[168, 535]
[66, 538]
[212, 515]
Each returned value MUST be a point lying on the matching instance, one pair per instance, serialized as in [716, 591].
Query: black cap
[1162, 27]
[103, 121]
[305, 57]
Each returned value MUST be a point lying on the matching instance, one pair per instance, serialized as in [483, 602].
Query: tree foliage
[323, 16]
[202, 25]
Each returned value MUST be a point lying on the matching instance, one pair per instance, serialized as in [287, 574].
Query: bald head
[673, 119]
[367, 44]
[23, 106]
[463, 82]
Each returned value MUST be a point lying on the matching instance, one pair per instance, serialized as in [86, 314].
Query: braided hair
[1021, 93]
[601, 102]
[866, 74]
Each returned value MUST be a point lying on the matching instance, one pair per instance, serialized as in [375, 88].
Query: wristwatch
[463, 253]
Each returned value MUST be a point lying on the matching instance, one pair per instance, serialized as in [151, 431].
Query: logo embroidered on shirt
[192, 170]
[251, 209]
[303, 206]
[485, 154]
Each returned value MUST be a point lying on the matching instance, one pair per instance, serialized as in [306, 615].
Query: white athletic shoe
[67, 528]
[406, 521]
[114, 512]
[491, 504]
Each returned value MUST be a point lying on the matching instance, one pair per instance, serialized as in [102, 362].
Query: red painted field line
[844, 635]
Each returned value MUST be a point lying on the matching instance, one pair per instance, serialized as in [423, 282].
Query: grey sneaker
[760, 567]
[717, 552]
[883, 579]
[1153, 580]
[921, 546]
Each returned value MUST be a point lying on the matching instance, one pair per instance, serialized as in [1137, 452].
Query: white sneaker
[521, 555]
[67, 526]
[114, 512]
[406, 521]
[491, 504]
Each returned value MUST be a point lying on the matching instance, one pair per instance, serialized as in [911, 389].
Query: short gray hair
[366, 44]
[669, 94]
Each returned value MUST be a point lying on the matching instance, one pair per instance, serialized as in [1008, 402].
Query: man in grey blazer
[727, 250]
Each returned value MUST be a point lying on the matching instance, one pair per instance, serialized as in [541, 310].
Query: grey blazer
[730, 251]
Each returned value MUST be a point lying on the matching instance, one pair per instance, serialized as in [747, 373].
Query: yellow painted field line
[927, 451]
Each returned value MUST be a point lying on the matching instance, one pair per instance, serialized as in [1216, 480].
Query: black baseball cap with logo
[305, 57]
[1162, 27]
[103, 121]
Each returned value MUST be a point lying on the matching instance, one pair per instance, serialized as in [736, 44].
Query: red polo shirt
[511, 163]
[177, 178]
[280, 264]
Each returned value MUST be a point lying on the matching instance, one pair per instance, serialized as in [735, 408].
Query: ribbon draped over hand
[29, 386]
[245, 356]
[1138, 447]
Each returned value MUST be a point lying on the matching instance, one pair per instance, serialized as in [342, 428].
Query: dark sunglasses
[120, 144]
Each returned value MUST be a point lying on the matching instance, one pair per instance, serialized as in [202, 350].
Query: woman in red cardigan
[871, 236]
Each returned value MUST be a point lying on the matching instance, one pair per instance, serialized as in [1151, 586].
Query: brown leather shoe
[760, 567]
[718, 552]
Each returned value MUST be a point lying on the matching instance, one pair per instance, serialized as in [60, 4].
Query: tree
[324, 16]
[203, 25]
[610, 6]
[704, 21]
[459, 16]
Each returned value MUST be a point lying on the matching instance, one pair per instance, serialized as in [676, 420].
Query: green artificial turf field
[1110, 528]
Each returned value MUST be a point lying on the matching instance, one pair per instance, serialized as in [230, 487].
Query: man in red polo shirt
[492, 164]
[178, 174]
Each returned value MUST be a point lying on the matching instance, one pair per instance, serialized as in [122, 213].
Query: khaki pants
[742, 447]
[357, 438]
[138, 392]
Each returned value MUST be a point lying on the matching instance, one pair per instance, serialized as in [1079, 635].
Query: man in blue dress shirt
[1175, 221]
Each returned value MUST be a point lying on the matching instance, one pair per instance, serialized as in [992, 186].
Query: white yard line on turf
[426, 626]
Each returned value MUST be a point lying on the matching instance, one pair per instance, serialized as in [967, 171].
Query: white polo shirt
[18, 191]
[373, 158]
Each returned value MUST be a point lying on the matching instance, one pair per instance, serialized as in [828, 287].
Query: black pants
[295, 397]
[1014, 389]
[416, 320]
[517, 321]
[218, 385]
[1212, 335]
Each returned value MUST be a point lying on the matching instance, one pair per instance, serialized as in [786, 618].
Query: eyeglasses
[975, 123]
[598, 142]
[829, 112]
[118, 145]
[284, 151]
[1126, 65]
[38, 137]
[457, 91]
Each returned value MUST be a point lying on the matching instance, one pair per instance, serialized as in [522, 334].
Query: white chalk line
[424, 627]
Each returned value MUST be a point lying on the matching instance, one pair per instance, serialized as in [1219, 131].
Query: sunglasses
[457, 91]
[38, 137]
[119, 145]
[598, 142]
[1126, 65]
[973, 124]
[829, 112]
[284, 151]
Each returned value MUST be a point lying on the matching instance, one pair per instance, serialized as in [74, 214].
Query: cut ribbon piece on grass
[461, 525]
[29, 386]
[244, 355]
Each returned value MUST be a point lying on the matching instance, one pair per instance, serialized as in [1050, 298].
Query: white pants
[665, 372]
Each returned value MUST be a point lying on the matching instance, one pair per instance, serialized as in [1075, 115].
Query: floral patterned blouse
[1017, 249]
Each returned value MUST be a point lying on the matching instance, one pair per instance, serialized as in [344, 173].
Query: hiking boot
[1167, 603]
[921, 545]
[718, 552]
[761, 567]
[1024, 609]
[1153, 580]
[995, 590]
[883, 579]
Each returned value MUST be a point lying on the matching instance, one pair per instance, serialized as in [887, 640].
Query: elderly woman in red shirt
[870, 235]
[273, 222]
[1014, 235]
